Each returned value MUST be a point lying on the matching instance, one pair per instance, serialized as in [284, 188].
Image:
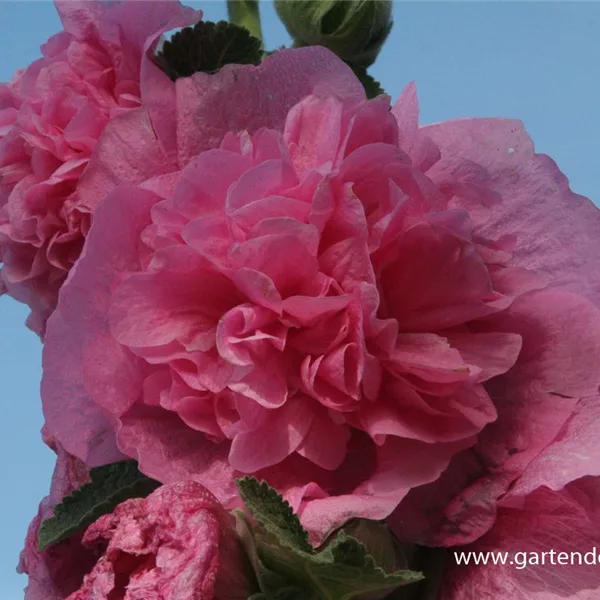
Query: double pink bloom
[284, 279]
[51, 117]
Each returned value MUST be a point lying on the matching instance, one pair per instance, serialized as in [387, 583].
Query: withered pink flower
[340, 309]
[176, 544]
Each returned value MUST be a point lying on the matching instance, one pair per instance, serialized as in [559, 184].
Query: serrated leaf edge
[45, 536]
[262, 487]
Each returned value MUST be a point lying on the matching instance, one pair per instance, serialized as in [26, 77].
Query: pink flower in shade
[51, 117]
[176, 544]
[556, 532]
[339, 309]
[57, 571]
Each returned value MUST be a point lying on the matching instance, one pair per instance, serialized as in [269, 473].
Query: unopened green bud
[354, 29]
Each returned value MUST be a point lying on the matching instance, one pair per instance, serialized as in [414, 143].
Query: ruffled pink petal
[87, 434]
[157, 308]
[282, 433]
[457, 289]
[561, 342]
[573, 453]
[535, 401]
[494, 353]
[421, 149]
[401, 465]
[266, 93]
[556, 228]
[557, 530]
[178, 543]
[313, 129]
[325, 443]
[170, 451]
[127, 152]
[428, 356]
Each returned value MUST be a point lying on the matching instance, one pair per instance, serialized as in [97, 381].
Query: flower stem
[246, 14]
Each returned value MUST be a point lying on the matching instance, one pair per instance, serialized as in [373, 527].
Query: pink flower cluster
[284, 279]
[51, 117]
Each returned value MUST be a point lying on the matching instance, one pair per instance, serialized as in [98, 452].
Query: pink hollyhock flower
[176, 544]
[57, 571]
[339, 309]
[51, 117]
[548, 404]
[97, 92]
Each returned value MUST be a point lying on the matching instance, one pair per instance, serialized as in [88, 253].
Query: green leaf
[109, 486]
[206, 47]
[379, 542]
[372, 86]
[274, 514]
[287, 567]
[285, 593]
[345, 570]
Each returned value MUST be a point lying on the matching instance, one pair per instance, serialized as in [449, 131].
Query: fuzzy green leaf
[345, 570]
[109, 486]
[207, 47]
[288, 567]
[274, 514]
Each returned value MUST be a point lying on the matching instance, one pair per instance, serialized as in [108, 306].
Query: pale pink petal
[86, 301]
[535, 400]
[326, 442]
[127, 152]
[558, 530]
[557, 230]
[401, 465]
[494, 353]
[262, 95]
[283, 432]
[169, 450]
[573, 453]
[421, 149]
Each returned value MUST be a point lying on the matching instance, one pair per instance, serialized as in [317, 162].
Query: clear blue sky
[537, 61]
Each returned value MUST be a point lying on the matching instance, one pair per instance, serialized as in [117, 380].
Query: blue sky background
[537, 61]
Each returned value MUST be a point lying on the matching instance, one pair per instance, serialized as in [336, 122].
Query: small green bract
[207, 47]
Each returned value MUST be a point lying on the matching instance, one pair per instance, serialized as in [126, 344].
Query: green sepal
[372, 86]
[207, 47]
